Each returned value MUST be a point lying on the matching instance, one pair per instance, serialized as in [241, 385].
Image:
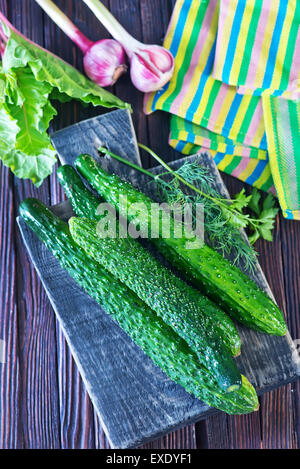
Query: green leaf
[32, 155]
[240, 201]
[48, 113]
[13, 93]
[29, 78]
[254, 204]
[254, 237]
[8, 132]
[239, 220]
[267, 219]
[46, 67]
[265, 233]
[22, 165]
[269, 201]
[2, 87]
[35, 167]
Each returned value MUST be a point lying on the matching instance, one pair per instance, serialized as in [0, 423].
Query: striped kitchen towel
[258, 45]
[282, 118]
[249, 164]
[194, 95]
[208, 113]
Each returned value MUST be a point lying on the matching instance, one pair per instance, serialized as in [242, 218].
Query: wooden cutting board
[135, 400]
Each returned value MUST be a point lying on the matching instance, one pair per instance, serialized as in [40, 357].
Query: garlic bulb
[104, 62]
[151, 66]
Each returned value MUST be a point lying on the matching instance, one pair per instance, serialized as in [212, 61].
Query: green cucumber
[178, 304]
[146, 329]
[206, 268]
[85, 204]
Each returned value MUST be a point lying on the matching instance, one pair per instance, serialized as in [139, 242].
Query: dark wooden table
[43, 403]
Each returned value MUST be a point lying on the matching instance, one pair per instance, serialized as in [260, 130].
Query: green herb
[266, 213]
[223, 217]
[224, 236]
[30, 77]
[232, 209]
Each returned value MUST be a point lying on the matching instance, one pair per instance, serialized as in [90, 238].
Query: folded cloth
[212, 115]
[258, 46]
[196, 96]
[249, 164]
[282, 119]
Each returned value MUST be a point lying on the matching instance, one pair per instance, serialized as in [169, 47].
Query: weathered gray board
[134, 399]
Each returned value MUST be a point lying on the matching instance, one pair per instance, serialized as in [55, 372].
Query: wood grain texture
[276, 425]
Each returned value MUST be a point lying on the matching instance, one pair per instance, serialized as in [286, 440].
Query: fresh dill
[224, 236]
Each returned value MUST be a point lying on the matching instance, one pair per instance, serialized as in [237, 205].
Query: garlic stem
[3, 35]
[113, 26]
[2, 48]
[65, 24]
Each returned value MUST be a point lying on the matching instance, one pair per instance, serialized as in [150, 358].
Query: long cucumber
[85, 204]
[226, 284]
[178, 304]
[146, 329]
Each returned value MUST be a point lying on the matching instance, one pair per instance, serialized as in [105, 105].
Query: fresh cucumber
[179, 305]
[146, 329]
[206, 268]
[85, 204]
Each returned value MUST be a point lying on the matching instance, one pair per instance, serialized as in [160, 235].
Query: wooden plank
[276, 412]
[36, 408]
[11, 435]
[291, 271]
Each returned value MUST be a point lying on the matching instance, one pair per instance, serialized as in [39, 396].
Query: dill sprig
[224, 236]
[224, 217]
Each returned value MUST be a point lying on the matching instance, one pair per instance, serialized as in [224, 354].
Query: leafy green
[222, 227]
[46, 67]
[8, 132]
[33, 155]
[254, 201]
[241, 200]
[266, 214]
[232, 209]
[30, 77]
[223, 217]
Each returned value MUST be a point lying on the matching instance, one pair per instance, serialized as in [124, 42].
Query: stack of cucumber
[184, 329]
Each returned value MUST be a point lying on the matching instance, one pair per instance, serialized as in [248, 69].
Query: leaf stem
[180, 178]
[112, 25]
[128, 163]
[219, 201]
[2, 34]
[2, 48]
[225, 203]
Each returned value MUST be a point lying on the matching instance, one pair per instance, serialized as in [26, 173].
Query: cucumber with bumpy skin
[146, 329]
[206, 268]
[178, 304]
[85, 204]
